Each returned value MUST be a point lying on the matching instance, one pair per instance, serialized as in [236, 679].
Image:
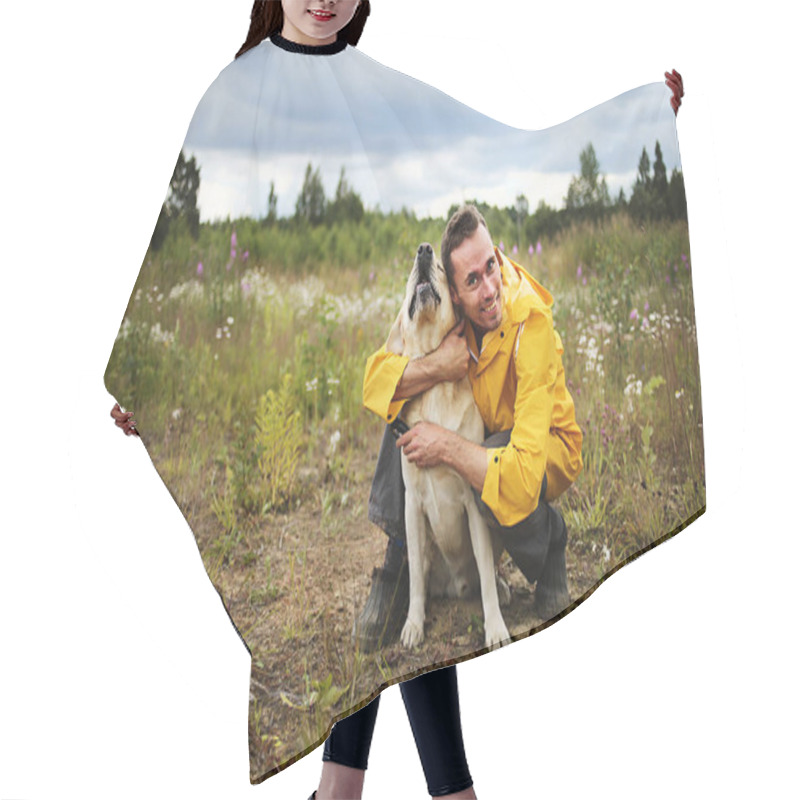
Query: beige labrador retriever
[450, 549]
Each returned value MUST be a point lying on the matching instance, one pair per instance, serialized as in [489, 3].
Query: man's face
[477, 287]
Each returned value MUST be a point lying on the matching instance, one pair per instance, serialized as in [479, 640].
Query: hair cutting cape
[306, 182]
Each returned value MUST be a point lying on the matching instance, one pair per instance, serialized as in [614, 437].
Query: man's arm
[428, 445]
[515, 472]
[390, 379]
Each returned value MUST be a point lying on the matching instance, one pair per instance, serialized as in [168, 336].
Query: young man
[507, 345]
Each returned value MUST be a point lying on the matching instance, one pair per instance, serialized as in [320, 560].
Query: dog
[451, 551]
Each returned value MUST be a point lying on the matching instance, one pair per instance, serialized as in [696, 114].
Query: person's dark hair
[266, 19]
[460, 226]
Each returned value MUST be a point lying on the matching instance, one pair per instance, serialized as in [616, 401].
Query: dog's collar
[308, 49]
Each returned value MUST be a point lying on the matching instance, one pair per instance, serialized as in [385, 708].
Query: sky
[403, 144]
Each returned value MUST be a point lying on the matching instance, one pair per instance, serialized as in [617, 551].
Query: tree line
[653, 197]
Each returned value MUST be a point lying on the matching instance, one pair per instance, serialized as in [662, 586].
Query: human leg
[434, 713]
[384, 613]
[346, 753]
[537, 545]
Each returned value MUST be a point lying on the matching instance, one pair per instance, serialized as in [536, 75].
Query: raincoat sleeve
[515, 472]
[381, 376]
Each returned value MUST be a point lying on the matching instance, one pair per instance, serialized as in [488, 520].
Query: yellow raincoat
[518, 383]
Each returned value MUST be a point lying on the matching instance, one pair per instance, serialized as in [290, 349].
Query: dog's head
[427, 313]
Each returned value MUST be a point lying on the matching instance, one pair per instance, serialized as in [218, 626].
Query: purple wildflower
[200, 268]
[530, 249]
[245, 255]
[539, 247]
[634, 315]
[584, 280]
[580, 270]
[502, 247]
[233, 240]
[646, 306]
[233, 253]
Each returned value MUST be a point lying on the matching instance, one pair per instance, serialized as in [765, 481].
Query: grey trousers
[527, 542]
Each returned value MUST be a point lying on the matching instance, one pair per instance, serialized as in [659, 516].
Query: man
[507, 345]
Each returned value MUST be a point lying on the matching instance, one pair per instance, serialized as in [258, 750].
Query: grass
[246, 383]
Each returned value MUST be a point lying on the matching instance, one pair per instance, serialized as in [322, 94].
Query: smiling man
[507, 345]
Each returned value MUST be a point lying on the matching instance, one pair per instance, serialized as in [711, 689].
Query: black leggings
[432, 706]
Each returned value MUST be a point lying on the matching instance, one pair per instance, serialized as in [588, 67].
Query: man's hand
[452, 355]
[425, 444]
[675, 83]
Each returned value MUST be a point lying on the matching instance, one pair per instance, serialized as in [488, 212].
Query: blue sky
[402, 142]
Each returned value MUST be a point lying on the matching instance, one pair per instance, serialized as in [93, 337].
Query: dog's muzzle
[425, 290]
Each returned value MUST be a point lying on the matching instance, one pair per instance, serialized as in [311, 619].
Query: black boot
[386, 609]
[552, 592]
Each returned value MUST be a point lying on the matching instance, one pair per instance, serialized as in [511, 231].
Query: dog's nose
[425, 249]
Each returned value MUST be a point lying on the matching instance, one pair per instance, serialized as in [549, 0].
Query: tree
[519, 213]
[659, 199]
[587, 195]
[642, 189]
[311, 201]
[181, 202]
[676, 196]
[346, 203]
[272, 205]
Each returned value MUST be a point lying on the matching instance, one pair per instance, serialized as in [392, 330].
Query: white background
[120, 674]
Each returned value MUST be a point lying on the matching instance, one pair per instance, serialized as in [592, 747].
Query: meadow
[242, 355]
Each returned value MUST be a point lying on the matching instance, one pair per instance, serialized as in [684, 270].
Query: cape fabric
[306, 183]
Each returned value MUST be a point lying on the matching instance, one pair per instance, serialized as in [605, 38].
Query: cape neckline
[308, 49]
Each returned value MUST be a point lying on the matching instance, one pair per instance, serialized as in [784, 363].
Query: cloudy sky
[402, 142]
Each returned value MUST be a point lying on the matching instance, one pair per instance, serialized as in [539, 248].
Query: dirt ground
[294, 592]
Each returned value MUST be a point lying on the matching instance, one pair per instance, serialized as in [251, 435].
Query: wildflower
[371, 275]
[233, 253]
[229, 320]
[514, 250]
[219, 333]
[176, 414]
[502, 247]
[539, 247]
[245, 286]
[645, 323]
[245, 255]
[530, 249]
[233, 240]
[580, 270]
[584, 280]
[646, 306]
[334, 441]
[634, 315]
[684, 258]
[679, 394]
[200, 268]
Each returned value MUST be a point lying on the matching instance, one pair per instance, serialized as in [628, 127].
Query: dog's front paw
[503, 592]
[496, 633]
[413, 633]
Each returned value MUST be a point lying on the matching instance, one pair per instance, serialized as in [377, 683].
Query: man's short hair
[461, 225]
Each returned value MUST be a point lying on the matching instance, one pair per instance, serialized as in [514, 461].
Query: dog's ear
[394, 344]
